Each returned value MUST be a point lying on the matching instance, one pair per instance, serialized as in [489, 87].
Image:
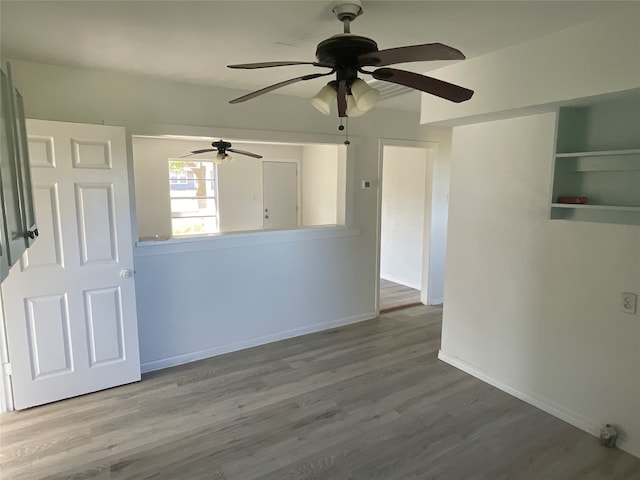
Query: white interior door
[69, 305]
[280, 194]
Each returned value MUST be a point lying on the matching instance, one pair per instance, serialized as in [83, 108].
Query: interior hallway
[394, 296]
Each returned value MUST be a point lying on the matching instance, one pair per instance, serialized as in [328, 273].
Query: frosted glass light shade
[324, 98]
[365, 96]
[228, 158]
[219, 158]
[352, 107]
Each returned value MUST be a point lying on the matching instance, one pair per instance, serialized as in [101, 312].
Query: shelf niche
[598, 157]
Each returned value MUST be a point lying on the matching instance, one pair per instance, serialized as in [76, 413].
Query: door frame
[431, 151]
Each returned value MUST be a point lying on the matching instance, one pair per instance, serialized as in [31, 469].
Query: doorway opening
[409, 247]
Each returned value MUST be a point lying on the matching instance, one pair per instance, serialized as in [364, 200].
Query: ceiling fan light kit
[365, 96]
[220, 157]
[325, 97]
[352, 107]
[347, 55]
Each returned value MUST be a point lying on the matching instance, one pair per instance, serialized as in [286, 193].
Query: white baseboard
[151, 366]
[400, 282]
[437, 301]
[563, 413]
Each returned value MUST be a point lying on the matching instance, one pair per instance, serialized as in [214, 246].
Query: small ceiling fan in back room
[222, 148]
[346, 55]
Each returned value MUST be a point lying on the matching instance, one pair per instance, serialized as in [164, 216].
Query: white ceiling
[193, 41]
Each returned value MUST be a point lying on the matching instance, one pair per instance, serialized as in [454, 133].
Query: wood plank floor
[368, 401]
[393, 295]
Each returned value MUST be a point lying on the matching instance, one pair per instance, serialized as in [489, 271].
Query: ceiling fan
[222, 148]
[347, 54]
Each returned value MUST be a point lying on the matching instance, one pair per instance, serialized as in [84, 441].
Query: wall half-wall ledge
[144, 248]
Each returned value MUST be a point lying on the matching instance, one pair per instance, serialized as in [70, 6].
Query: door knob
[126, 273]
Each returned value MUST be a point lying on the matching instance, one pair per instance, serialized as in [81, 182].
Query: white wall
[593, 58]
[341, 193]
[404, 180]
[532, 305]
[240, 199]
[438, 239]
[320, 173]
[152, 187]
[196, 300]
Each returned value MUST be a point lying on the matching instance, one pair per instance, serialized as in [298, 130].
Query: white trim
[560, 411]
[254, 342]
[239, 239]
[437, 301]
[231, 134]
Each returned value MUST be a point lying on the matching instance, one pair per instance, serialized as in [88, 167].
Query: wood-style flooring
[367, 401]
[394, 296]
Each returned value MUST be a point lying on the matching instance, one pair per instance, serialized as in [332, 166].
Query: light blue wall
[199, 300]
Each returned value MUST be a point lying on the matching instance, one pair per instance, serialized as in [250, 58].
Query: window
[193, 192]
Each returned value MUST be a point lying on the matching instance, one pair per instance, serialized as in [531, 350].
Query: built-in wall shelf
[595, 207]
[598, 157]
[604, 153]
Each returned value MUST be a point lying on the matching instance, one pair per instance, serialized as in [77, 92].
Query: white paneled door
[69, 304]
[280, 195]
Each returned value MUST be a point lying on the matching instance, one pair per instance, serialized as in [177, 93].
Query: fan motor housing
[343, 49]
[221, 145]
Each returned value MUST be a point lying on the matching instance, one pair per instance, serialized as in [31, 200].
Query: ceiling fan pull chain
[346, 133]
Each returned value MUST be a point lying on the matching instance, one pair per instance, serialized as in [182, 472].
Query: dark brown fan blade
[195, 152]
[431, 85]
[275, 64]
[275, 86]
[342, 98]
[242, 152]
[411, 53]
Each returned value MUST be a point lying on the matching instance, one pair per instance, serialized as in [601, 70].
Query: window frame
[173, 176]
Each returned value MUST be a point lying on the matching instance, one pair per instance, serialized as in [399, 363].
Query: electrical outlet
[628, 302]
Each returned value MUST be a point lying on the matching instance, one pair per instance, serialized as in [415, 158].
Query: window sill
[165, 246]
